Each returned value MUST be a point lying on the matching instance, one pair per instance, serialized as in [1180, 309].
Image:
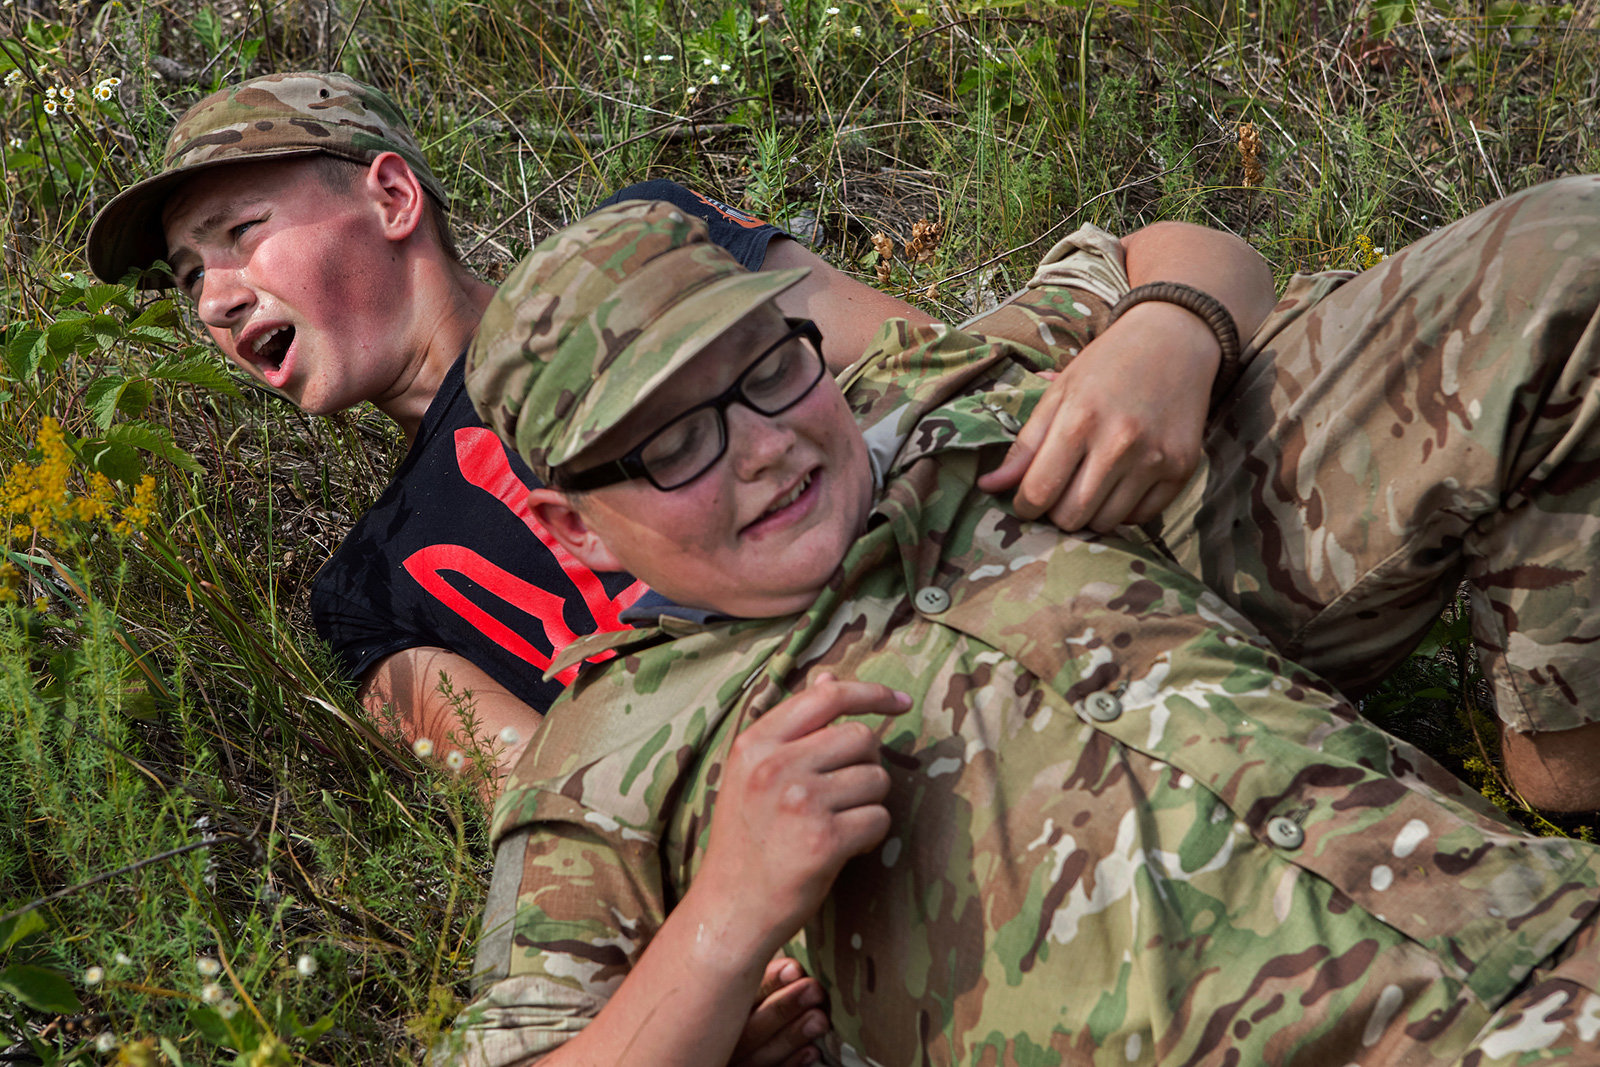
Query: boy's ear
[557, 515]
[397, 193]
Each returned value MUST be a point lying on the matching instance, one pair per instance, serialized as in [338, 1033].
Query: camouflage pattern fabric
[1125, 830]
[275, 116]
[1428, 421]
[596, 318]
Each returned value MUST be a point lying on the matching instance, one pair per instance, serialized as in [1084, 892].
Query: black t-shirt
[450, 555]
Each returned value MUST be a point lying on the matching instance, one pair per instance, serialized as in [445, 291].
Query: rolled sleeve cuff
[516, 1020]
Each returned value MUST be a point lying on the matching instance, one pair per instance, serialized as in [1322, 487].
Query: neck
[447, 320]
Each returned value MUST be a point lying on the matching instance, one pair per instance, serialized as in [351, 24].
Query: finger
[1118, 505]
[781, 971]
[789, 1047]
[1057, 462]
[1019, 457]
[823, 702]
[842, 744]
[781, 1022]
[856, 787]
[860, 829]
[1156, 500]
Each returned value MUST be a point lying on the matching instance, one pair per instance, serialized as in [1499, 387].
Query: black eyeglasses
[688, 446]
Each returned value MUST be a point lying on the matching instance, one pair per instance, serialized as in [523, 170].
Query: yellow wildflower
[1367, 254]
[136, 516]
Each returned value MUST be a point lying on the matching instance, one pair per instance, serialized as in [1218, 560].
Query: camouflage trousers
[1393, 433]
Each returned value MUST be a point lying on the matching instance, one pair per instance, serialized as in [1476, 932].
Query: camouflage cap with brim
[276, 116]
[597, 318]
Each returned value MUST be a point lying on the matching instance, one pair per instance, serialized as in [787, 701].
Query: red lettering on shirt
[428, 566]
[732, 214]
[483, 463]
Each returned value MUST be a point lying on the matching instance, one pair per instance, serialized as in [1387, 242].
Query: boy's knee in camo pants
[1430, 420]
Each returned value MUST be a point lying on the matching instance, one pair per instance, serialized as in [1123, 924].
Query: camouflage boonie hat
[596, 318]
[276, 116]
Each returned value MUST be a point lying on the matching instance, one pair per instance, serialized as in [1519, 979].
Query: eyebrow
[215, 221]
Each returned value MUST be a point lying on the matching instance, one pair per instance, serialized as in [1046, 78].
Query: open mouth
[791, 496]
[268, 350]
[783, 503]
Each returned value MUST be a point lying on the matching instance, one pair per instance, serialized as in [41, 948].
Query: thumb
[1009, 474]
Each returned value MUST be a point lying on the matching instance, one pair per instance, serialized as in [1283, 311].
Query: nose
[756, 442]
[224, 297]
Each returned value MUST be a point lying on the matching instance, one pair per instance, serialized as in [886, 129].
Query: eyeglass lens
[686, 447]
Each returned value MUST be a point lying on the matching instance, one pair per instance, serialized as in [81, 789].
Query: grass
[187, 780]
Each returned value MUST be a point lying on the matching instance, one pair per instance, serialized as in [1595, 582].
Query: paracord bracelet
[1210, 310]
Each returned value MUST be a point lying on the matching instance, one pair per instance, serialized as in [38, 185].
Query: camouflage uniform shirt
[1124, 830]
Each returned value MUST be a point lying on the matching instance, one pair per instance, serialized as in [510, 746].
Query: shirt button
[1285, 833]
[931, 600]
[1103, 707]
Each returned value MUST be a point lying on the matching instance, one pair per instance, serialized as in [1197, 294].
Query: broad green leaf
[204, 371]
[63, 335]
[162, 313]
[24, 925]
[96, 297]
[136, 396]
[102, 397]
[39, 988]
[116, 461]
[19, 352]
[158, 334]
[154, 440]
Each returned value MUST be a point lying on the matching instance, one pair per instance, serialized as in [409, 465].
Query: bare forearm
[1210, 260]
[686, 1001]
